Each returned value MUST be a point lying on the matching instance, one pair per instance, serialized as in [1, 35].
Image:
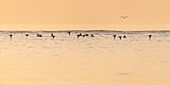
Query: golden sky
[84, 14]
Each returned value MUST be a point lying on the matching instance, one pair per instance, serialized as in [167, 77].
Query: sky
[84, 14]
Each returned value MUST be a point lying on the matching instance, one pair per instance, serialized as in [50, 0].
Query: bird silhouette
[69, 32]
[87, 34]
[150, 36]
[27, 35]
[92, 35]
[83, 35]
[79, 35]
[120, 37]
[10, 35]
[114, 36]
[39, 35]
[52, 35]
[124, 36]
[124, 17]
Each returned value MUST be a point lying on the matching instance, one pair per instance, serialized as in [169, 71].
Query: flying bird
[124, 17]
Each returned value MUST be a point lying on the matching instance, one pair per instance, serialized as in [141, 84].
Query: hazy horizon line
[52, 27]
[83, 30]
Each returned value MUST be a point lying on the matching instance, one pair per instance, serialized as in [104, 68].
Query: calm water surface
[99, 60]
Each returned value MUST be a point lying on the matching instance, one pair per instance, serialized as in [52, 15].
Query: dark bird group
[80, 35]
[39, 35]
[120, 37]
[84, 35]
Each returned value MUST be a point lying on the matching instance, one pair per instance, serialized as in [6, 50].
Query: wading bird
[10, 35]
[120, 37]
[87, 34]
[150, 36]
[114, 36]
[124, 36]
[39, 35]
[27, 35]
[52, 35]
[69, 32]
[79, 35]
[92, 35]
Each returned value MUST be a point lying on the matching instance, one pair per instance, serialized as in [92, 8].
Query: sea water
[98, 60]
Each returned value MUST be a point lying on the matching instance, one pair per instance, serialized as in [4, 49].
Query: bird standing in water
[10, 35]
[27, 35]
[114, 36]
[92, 35]
[84, 35]
[52, 35]
[39, 35]
[124, 36]
[87, 34]
[120, 37]
[79, 35]
[150, 36]
[69, 32]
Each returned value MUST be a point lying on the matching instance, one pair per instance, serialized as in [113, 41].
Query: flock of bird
[84, 35]
[80, 35]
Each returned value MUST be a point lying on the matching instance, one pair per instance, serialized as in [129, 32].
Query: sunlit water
[99, 60]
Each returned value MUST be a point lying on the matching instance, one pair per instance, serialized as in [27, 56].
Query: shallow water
[99, 60]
